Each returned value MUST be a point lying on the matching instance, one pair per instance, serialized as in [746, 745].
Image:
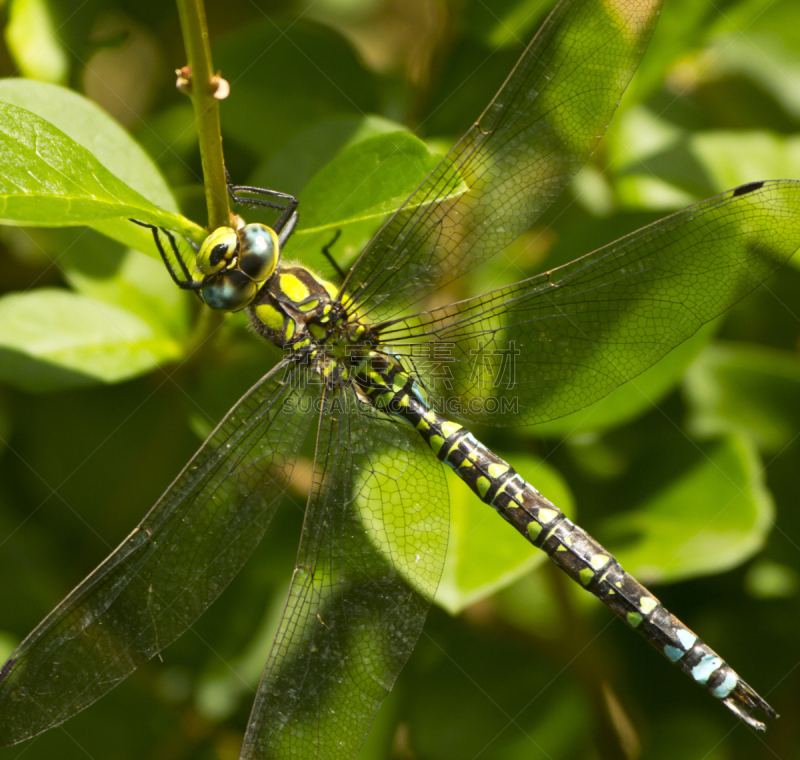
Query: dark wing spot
[748, 188]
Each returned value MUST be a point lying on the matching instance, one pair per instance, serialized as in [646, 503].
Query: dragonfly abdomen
[580, 556]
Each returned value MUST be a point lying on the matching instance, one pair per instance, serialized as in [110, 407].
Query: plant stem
[206, 109]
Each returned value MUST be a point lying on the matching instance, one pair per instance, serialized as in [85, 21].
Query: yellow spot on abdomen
[634, 619]
[547, 515]
[496, 470]
[449, 428]
[647, 604]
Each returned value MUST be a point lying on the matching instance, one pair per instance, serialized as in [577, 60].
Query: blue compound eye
[259, 252]
[217, 251]
[230, 291]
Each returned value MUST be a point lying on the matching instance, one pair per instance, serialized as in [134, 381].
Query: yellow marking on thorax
[310, 305]
[293, 287]
[270, 316]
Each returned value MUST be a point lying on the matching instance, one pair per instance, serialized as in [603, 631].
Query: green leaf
[681, 27]
[662, 167]
[33, 40]
[49, 180]
[53, 339]
[771, 27]
[771, 580]
[281, 89]
[710, 519]
[103, 270]
[710, 162]
[87, 124]
[734, 158]
[506, 23]
[305, 155]
[640, 135]
[366, 181]
[750, 390]
[361, 186]
[484, 553]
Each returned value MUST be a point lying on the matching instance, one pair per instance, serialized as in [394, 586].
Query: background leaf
[712, 517]
[751, 390]
[52, 339]
[51, 181]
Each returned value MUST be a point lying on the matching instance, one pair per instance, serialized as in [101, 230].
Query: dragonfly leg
[283, 201]
[285, 232]
[326, 252]
[187, 283]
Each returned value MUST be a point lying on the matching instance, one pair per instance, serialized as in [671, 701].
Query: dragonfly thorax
[297, 309]
[303, 313]
[233, 264]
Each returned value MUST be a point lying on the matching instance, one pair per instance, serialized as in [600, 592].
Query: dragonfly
[384, 424]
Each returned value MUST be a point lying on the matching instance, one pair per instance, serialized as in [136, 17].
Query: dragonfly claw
[743, 700]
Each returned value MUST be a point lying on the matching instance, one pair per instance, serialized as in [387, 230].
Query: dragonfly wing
[517, 158]
[555, 343]
[372, 551]
[166, 572]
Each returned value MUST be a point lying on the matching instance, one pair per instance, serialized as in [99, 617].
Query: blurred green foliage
[686, 472]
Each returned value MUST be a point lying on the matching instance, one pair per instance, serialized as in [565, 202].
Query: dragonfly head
[235, 263]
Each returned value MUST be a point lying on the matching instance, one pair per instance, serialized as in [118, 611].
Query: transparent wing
[508, 168]
[554, 343]
[371, 554]
[166, 572]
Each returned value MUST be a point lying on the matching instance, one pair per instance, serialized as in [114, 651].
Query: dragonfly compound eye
[230, 291]
[259, 253]
[217, 251]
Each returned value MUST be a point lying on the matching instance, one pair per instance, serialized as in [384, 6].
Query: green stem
[206, 109]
